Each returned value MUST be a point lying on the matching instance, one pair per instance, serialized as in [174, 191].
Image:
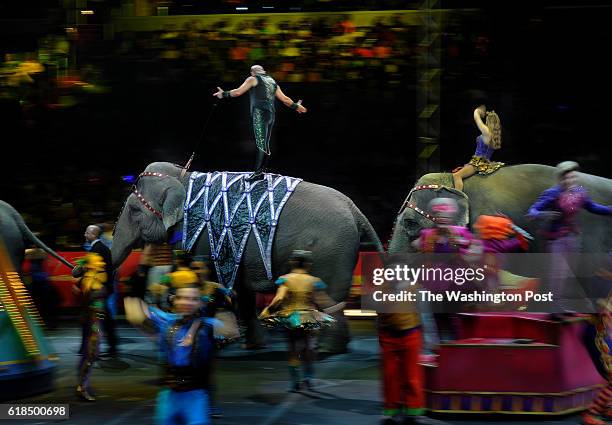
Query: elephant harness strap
[141, 198]
[408, 204]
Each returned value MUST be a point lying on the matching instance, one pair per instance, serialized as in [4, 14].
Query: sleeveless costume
[262, 98]
[481, 160]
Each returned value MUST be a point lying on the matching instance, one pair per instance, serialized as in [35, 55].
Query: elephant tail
[366, 229]
[28, 235]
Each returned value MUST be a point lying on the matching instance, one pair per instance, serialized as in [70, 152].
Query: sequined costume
[298, 314]
[563, 233]
[481, 160]
[184, 398]
[298, 309]
[599, 344]
[569, 203]
[262, 98]
[92, 286]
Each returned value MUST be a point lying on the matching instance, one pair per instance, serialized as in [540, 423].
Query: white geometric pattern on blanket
[229, 213]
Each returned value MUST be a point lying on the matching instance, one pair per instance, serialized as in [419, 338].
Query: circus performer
[488, 142]
[499, 234]
[495, 236]
[444, 238]
[217, 303]
[294, 308]
[558, 207]
[401, 341]
[92, 286]
[599, 344]
[263, 90]
[184, 398]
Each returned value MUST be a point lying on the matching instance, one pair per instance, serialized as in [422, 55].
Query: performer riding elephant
[510, 190]
[317, 218]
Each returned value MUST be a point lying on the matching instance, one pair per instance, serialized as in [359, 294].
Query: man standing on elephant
[263, 90]
[92, 235]
[560, 205]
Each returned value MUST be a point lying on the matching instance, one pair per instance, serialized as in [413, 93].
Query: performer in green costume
[262, 89]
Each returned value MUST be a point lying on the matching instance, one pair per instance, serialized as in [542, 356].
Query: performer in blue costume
[262, 89]
[186, 340]
[488, 142]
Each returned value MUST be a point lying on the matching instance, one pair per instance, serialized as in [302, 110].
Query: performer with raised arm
[488, 142]
[187, 350]
[262, 89]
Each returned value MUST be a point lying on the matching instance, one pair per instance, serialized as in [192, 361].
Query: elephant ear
[463, 204]
[173, 203]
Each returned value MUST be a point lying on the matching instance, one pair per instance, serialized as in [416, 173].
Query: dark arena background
[92, 91]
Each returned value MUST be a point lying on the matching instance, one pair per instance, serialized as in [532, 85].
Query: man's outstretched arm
[249, 83]
[289, 102]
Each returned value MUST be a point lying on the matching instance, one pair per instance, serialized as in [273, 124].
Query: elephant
[317, 218]
[15, 233]
[511, 190]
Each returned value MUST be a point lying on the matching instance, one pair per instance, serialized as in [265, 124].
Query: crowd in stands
[338, 66]
[311, 50]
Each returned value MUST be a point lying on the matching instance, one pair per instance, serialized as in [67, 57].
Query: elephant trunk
[365, 229]
[124, 239]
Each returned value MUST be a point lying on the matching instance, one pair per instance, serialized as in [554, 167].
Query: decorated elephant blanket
[229, 208]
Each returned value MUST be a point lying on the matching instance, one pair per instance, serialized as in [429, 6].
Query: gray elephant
[316, 218]
[511, 190]
[15, 234]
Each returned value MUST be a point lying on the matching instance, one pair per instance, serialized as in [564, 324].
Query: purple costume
[481, 160]
[459, 240]
[482, 149]
[435, 240]
[568, 203]
[563, 232]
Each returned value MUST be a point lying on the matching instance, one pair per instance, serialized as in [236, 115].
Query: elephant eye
[135, 211]
[410, 224]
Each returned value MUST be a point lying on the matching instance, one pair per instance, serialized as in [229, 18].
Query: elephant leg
[255, 336]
